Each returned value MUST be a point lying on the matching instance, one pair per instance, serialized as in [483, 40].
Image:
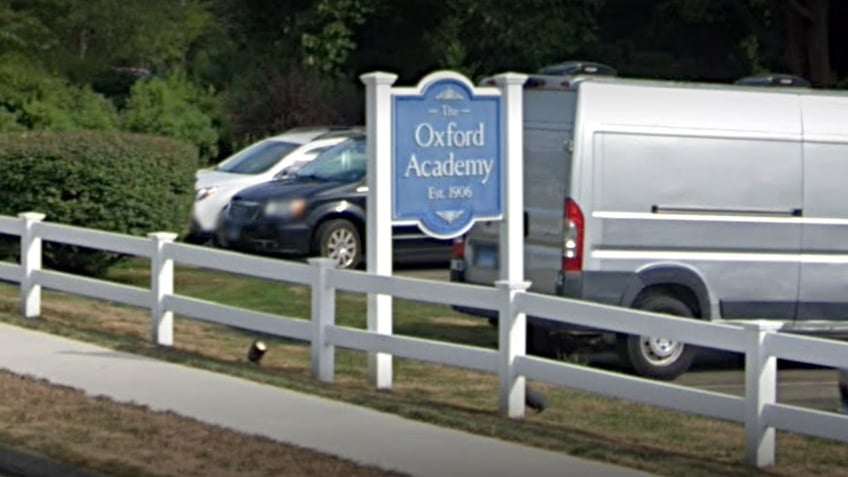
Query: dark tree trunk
[795, 40]
[818, 37]
[807, 37]
[83, 44]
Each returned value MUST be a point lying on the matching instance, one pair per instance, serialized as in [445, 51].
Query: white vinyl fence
[760, 343]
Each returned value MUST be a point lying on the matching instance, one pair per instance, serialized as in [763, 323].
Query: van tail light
[572, 244]
[457, 263]
[459, 247]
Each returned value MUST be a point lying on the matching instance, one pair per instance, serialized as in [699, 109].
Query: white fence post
[30, 262]
[512, 332]
[161, 285]
[323, 316]
[760, 390]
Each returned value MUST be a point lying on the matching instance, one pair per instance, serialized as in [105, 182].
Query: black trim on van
[767, 310]
[822, 310]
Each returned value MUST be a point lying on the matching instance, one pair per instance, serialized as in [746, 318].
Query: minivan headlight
[285, 208]
[205, 192]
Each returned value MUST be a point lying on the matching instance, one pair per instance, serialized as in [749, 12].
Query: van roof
[554, 82]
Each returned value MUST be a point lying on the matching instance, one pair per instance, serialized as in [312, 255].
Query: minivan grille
[243, 210]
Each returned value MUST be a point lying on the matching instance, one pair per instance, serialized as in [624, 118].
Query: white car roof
[304, 135]
[303, 141]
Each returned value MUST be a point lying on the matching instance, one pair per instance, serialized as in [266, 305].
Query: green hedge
[121, 182]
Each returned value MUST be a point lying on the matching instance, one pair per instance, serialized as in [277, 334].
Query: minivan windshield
[257, 158]
[345, 162]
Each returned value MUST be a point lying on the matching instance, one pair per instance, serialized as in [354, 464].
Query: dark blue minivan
[318, 210]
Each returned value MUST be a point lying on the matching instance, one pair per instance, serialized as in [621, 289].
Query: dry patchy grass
[129, 440]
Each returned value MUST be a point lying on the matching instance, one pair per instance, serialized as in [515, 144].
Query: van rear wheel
[540, 342]
[656, 357]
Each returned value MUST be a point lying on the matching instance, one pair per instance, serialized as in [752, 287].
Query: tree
[173, 107]
[276, 97]
[546, 31]
[328, 39]
[98, 34]
[32, 98]
[783, 35]
[476, 37]
[807, 39]
[21, 32]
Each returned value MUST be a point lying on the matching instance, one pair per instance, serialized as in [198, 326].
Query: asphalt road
[798, 384]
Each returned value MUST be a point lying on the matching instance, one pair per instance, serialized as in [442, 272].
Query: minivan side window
[343, 162]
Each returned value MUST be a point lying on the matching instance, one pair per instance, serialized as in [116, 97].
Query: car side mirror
[288, 171]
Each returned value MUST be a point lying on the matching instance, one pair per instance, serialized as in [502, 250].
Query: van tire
[541, 343]
[340, 240]
[658, 358]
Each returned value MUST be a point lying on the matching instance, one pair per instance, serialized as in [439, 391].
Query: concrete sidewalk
[332, 427]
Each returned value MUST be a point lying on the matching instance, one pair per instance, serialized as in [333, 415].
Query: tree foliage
[22, 32]
[278, 97]
[32, 98]
[97, 33]
[545, 32]
[328, 40]
[173, 107]
[790, 36]
[276, 64]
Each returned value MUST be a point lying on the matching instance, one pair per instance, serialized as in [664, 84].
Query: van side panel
[716, 191]
[824, 266]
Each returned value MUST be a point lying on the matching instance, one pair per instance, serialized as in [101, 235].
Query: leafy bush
[31, 98]
[173, 107]
[122, 182]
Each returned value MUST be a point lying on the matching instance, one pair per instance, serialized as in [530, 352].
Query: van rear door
[548, 131]
[824, 265]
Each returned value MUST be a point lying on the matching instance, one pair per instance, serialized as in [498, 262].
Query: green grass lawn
[581, 424]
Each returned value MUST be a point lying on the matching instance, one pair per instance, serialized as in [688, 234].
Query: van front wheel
[656, 357]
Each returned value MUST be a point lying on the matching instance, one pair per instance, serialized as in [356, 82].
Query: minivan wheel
[339, 239]
[656, 357]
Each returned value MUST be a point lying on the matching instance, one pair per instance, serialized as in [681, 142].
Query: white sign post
[378, 241]
[443, 155]
[512, 227]
[512, 326]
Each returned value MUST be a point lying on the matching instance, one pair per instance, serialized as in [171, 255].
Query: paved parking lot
[798, 384]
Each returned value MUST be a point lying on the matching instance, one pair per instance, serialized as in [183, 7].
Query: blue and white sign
[447, 159]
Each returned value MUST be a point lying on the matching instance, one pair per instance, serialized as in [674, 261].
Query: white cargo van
[706, 201]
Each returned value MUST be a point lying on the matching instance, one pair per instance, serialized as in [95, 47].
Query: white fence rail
[759, 341]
